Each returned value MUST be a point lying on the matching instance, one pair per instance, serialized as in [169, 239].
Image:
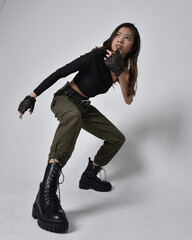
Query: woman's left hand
[114, 62]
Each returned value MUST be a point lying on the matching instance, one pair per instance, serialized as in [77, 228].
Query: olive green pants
[72, 117]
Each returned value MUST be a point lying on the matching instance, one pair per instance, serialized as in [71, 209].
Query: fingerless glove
[27, 103]
[115, 63]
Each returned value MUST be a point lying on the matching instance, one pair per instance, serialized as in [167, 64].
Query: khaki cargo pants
[72, 117]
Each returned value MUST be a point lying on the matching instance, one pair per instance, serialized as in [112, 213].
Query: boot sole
[85, 186]
[60, 227]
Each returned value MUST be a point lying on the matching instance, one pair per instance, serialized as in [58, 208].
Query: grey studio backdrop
[151, 174]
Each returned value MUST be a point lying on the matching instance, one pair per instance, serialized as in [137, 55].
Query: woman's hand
[27, 103]
[115, 62]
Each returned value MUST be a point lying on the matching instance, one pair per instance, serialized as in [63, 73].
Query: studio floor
[135, 209]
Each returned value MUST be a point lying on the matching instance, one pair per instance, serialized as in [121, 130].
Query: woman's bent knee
[122, 139]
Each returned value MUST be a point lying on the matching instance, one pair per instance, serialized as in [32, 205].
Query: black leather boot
[47, 209]
[89, 179]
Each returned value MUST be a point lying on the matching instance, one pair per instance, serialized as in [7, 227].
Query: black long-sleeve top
[93, 75]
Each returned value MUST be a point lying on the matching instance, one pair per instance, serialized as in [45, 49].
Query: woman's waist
[69, 91]
[75, 87]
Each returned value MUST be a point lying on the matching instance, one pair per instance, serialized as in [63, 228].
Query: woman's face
[123, 41]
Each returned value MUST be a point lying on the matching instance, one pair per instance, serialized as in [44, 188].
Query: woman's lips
[118, 46]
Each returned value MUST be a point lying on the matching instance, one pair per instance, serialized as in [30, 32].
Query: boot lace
[58, 187]
[105, 175]
[53, 186]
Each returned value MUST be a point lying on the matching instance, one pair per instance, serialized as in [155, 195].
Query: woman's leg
[70, 124]
[97, 124]
[46, 208]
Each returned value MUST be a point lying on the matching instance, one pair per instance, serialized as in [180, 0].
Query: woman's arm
[124, 81]
[74, 66]
[115, 63]
[33, 95]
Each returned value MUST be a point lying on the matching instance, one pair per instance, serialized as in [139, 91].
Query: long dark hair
[130, 60]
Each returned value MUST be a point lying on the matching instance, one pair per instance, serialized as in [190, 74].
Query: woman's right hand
[27, 103]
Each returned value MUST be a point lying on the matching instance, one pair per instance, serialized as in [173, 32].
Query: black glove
[27, 103]
[115, 63]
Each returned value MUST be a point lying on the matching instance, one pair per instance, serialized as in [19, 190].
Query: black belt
[69, 91]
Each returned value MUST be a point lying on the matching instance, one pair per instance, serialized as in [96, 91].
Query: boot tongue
[93, 170]
[96, 169]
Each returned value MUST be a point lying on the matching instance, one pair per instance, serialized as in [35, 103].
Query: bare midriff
[74, 86]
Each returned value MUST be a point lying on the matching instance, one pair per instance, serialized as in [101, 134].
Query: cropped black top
[93, 75]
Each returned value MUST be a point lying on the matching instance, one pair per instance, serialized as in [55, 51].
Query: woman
[97, 70]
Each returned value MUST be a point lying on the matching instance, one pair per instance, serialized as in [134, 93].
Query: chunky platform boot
[89, 179]
[47, 209]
